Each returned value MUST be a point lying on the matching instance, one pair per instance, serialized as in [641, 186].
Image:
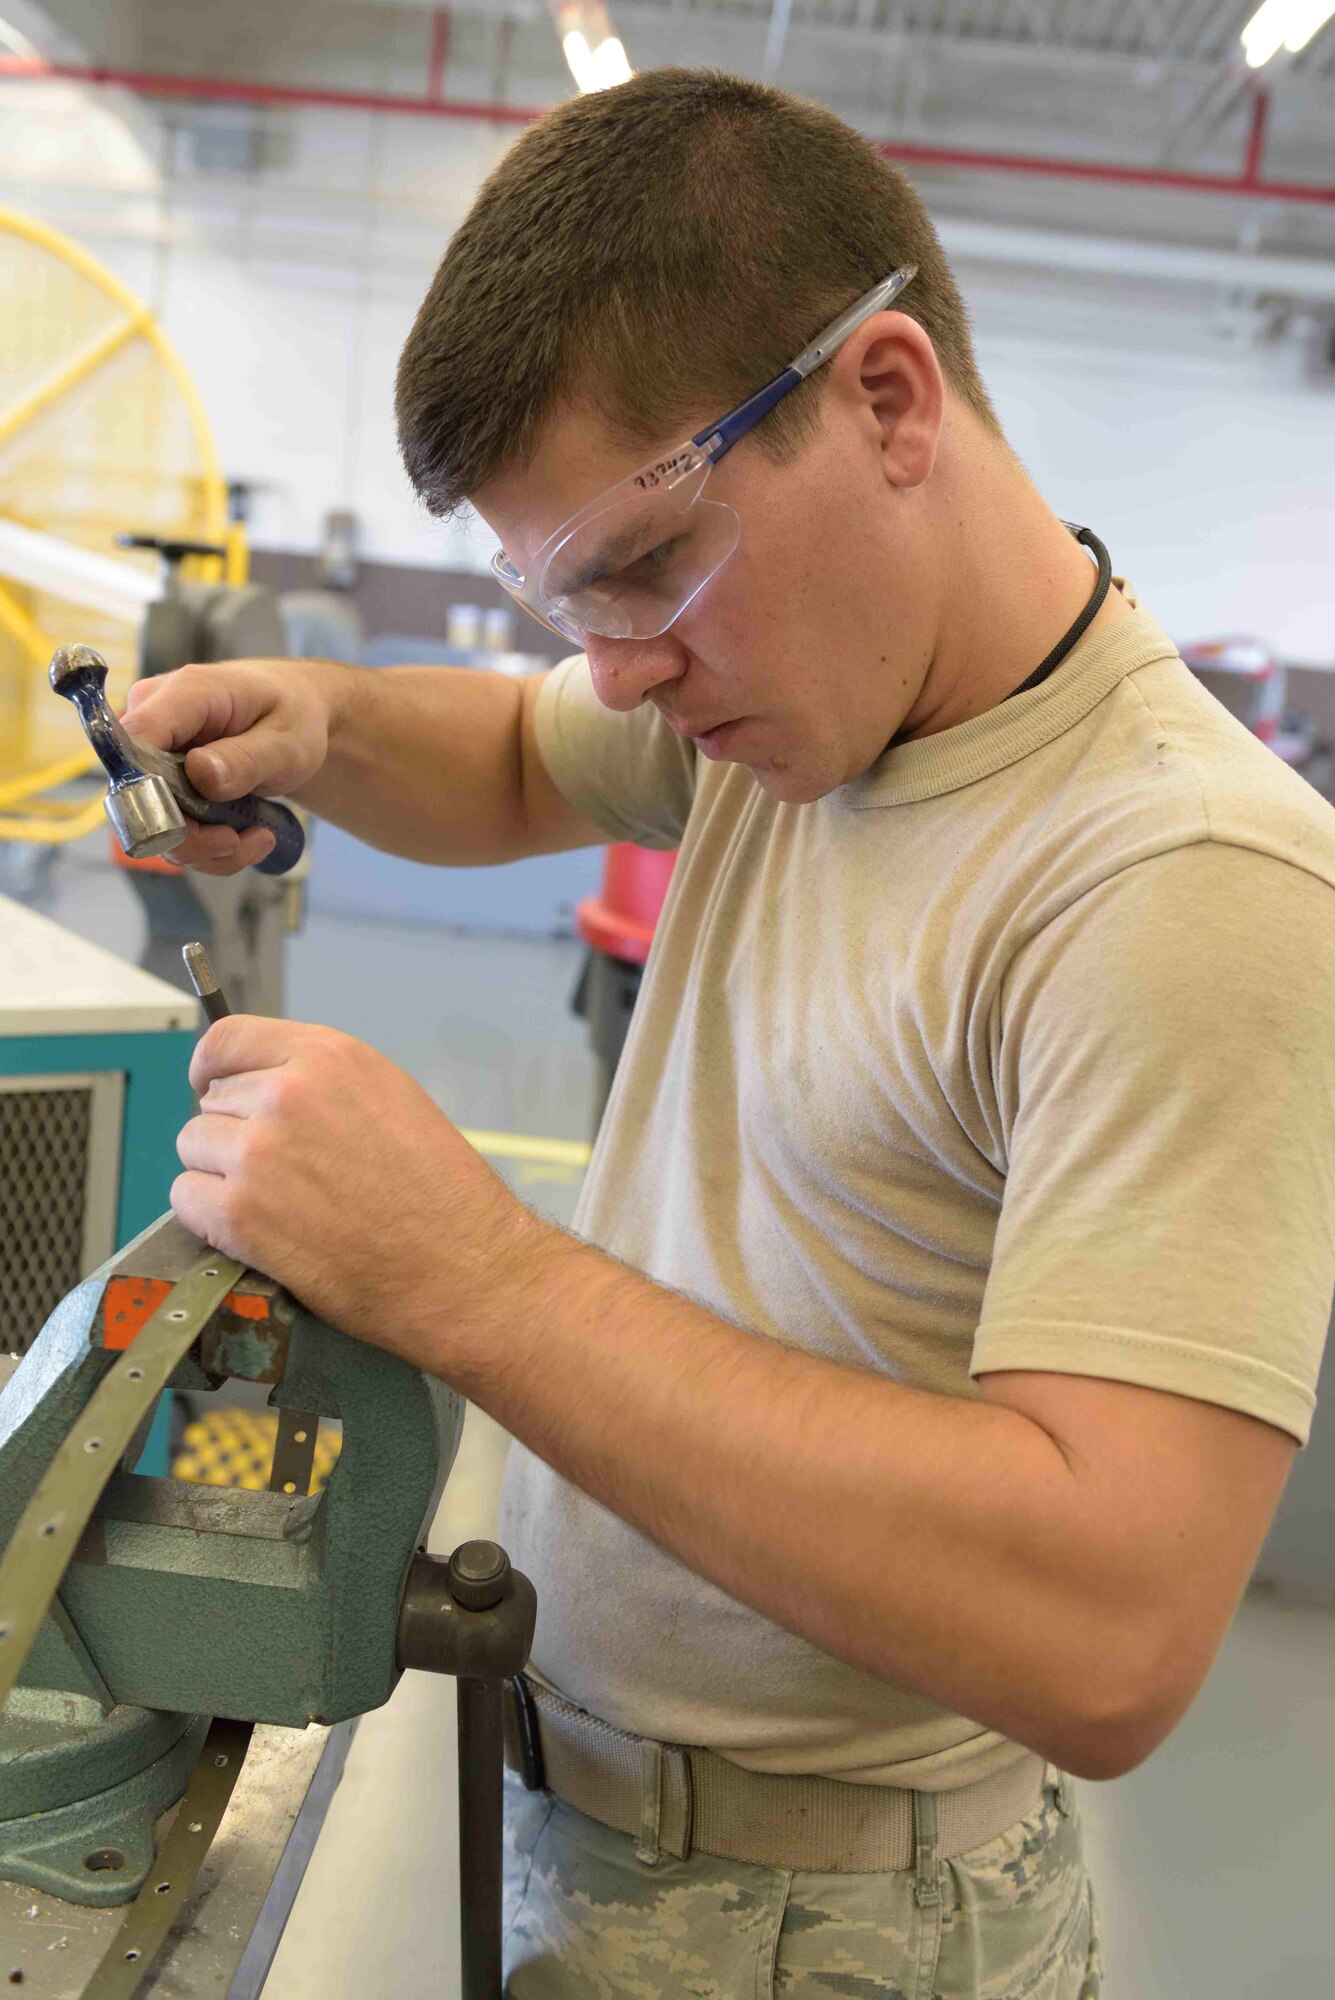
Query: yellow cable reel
[101, 431]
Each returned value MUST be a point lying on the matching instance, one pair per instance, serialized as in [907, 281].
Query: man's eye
[645, 569]
[653, 561]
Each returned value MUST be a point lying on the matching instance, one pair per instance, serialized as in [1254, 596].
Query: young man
[964, 1208]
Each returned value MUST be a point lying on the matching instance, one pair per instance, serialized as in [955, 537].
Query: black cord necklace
[1086, 618]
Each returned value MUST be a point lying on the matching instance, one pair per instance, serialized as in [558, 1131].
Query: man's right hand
[439, 764]
[246, 726]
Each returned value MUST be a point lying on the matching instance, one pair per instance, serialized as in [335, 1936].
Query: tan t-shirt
[1017, 1052]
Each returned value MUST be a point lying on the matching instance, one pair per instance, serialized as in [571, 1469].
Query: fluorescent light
[612, 58]
[579, 59]
[601, 67]
[18, 44]
[1283, 24]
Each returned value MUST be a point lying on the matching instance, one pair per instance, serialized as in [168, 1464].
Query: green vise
[185, 1602]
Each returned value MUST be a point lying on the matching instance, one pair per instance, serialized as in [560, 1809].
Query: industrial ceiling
[1035, 128]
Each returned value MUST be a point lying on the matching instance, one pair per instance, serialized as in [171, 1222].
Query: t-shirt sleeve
[1165, 1065]
[628, 773]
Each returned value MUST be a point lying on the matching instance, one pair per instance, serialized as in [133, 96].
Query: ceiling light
[593, 51]
[597, 68]
[1283, 24]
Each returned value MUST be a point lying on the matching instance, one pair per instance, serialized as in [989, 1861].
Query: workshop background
[1140, 206]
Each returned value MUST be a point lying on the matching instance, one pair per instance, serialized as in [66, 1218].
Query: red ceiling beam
[156, 83]
[1256, 130]
[163, 83]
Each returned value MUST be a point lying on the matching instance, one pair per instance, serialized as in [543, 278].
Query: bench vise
[183, 1603]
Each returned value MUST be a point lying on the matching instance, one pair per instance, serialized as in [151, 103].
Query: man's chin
[793, 780]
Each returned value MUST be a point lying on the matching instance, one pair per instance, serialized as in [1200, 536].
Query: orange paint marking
[129, 1303]
[150, 864]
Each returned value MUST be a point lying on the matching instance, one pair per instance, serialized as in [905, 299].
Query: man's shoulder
[1209, 778]
[1155, 770]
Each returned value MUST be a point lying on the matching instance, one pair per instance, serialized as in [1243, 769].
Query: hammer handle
[281, 822]
[252, 810]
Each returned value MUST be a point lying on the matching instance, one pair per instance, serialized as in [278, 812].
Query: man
[965, 1197]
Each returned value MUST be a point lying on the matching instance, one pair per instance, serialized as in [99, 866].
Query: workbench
[225, 1937]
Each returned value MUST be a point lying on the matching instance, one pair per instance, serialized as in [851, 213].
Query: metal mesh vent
[44, 1138]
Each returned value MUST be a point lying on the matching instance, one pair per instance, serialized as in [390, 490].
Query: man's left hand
[316, 1160]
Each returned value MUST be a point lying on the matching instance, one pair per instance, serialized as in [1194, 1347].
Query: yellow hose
[19, 791]
[48, 833]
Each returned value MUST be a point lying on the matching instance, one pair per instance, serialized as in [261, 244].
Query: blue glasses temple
[716, 439]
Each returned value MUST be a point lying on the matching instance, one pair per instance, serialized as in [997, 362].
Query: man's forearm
[938, 1542]
[424, 762]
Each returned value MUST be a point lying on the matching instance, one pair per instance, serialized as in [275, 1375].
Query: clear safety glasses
[630, 562]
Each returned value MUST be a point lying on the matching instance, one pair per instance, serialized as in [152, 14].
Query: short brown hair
[664, 247]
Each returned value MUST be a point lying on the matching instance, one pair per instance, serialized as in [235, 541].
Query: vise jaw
[184, 1602]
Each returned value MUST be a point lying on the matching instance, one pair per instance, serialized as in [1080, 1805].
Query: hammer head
[144, 815]
[76, 667]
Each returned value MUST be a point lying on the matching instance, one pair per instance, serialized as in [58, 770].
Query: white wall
[1214, 487]
[1204, 460]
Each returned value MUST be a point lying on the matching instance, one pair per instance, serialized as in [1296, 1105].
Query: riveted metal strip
[294, 1452]
[129, 1957]
[55, 1517]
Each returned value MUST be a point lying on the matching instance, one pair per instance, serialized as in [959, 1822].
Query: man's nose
[626, 672]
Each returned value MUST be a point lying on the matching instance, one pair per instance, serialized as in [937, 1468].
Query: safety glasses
[630, 562]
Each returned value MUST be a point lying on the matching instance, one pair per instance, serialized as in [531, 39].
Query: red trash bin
[618, 927]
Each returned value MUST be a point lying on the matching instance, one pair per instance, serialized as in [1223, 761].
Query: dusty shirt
[1017, 1052]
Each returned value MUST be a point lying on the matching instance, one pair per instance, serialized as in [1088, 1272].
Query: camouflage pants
[586, 1920]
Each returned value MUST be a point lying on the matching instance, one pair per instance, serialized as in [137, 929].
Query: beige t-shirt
[1017, 1052]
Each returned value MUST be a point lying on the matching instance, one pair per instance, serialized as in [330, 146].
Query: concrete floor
[1211, 1863]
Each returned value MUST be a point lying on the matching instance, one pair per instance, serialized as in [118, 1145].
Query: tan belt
[672, 1798]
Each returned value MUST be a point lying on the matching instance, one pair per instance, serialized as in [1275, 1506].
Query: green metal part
[97, 1848]
[63, 1747]
[184, 1601]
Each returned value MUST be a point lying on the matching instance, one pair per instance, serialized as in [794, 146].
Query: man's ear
[890, 374]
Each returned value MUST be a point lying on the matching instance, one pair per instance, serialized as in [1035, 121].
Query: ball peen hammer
[149, 798]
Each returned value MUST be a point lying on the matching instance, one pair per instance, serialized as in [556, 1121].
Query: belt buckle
[527, 1739]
